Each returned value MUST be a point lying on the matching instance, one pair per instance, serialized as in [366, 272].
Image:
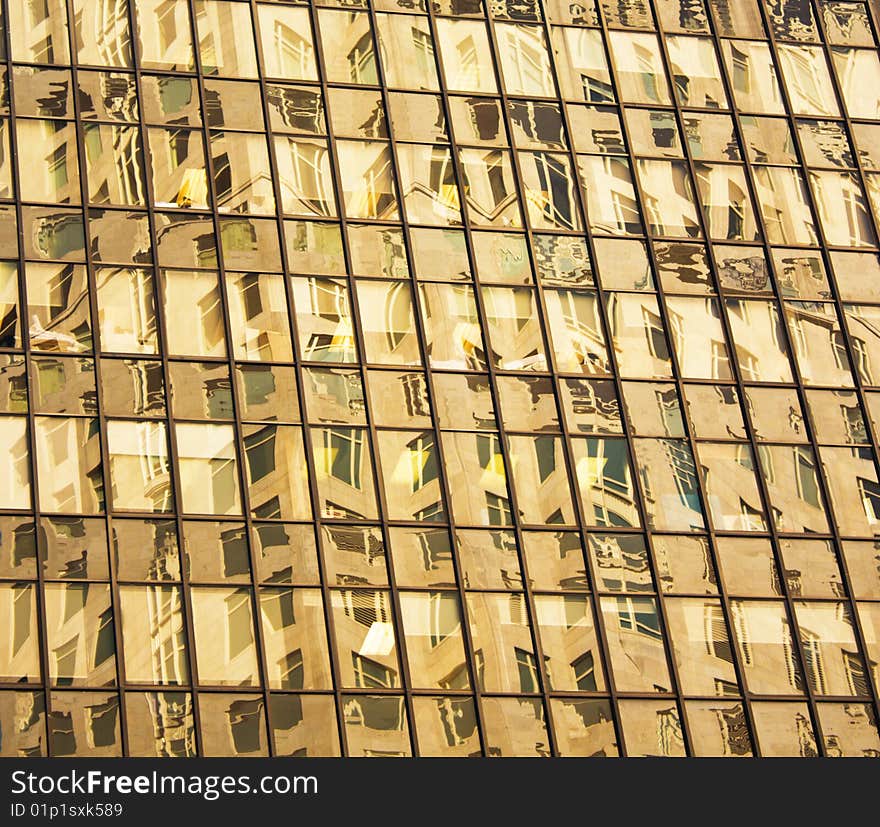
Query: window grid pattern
[381, 378]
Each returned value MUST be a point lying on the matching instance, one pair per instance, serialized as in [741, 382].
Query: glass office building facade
[439, 377]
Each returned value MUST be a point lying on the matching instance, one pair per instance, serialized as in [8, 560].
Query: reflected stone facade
[439, 378]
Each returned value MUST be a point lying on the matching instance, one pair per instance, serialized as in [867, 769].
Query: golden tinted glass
[152, 619]
[79, 620]
[228, 658]
[441, 379]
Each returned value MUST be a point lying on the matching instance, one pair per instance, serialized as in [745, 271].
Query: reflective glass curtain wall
[439, 378]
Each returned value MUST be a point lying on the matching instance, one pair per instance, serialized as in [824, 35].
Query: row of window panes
[82, 650]
[162, 724]
[227, 47]
[419, 117]
[242, 184]
[215, 552]
[61, 323]
[789, 20]
[71, 480]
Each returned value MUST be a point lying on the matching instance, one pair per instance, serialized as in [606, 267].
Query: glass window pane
[695, 72]
[160, 724]
[669, 480]
[540, 477]
[344, 472]
[753, 76]
[208, 469]
[446, 727]
[611, 199]
[69, 465]
[19, 645]
[515, 727]
[728, 472]
[605, 481]
[411, 468]
[80, 637]
[489, 186]
[635, 641]
[349, 53]
[242, 180]
[639, 67]
[702, 647]
[178, 168]
[126, 310]
[258, 317]
[467, 56]
[153, 635]
[226, 38]
[806, 74]
[832, 660]
[39, 32]
[15, 476]
[575, 327]
[849, 730]
[858, 70]
[453, 336]
[286, 39]
[193, 313]
[568, 639]
[295, 639]
[275, 462]
[407, 51]
[435, 651]
[47, 161]
[718, 729]
[475, 465]
[427, 177]
[584, 728]
[165, 34]
[581, 64]
[501, 632]
[365, 639]
[388, 323]
[376, 725]
[233, 725]
[110, 41]
[139, 467]
[525, 64]
[766, 647]
[304, 725]
[784, 729]
[793, 487]
[223, 626]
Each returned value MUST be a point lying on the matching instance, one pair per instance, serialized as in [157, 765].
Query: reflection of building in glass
[482, 379]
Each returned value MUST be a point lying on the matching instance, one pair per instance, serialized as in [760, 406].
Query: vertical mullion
[637, 480]
[314, 498]
[574, 486]
[870, 425]
[823, 245]
[91, 286]
[504, 448]
[39, 583]
[861, 178]
[767, 247]
[238, 434]
[162, 339]
[370, 428]
[445, 485]
[709, 244]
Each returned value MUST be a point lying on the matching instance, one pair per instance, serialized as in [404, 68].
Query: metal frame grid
[613, 695]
